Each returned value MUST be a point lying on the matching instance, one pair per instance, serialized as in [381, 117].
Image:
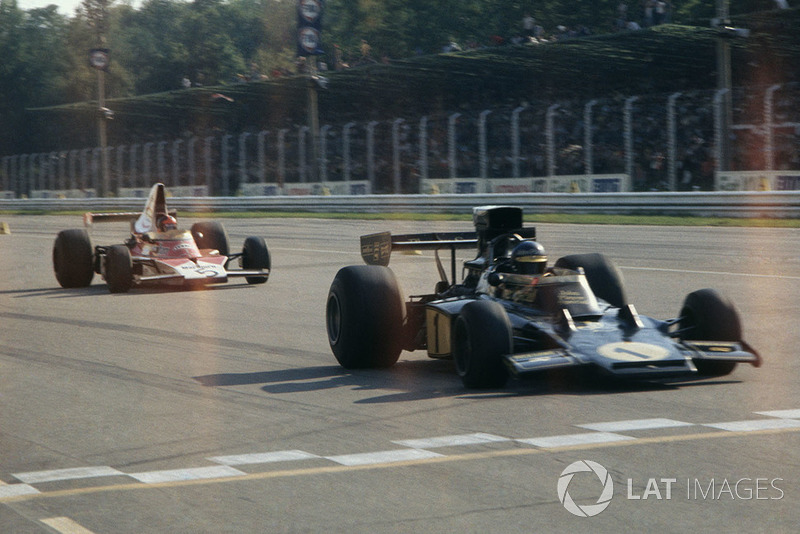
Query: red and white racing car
[156, 252]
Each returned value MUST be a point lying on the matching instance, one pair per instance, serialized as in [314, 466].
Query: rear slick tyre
[73, 258]
[364, 317]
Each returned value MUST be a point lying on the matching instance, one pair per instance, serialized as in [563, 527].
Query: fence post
[243, 158]
[515, 140]
[120, 167]
[262, 156]
[62, 170]
[226, 179]
[14, 174]
[451, 144]
[323, 153]
[85, 169]
[97, 168]
[371, 154]
[301, 152]
[282, 157]
[207, 166]
[346, 149]
[53, 169]
[162, 164]
[423, 148]
[588, 138]
[4, 165]
[132, 158]
[176, 161]
[73, 170]
[672, 141]
[627, 128]
[36, 183]
[396, 155]
[719, 130]
[146, 178]
[483, 153]
[190, 160]
[551, 139]
[769, 125]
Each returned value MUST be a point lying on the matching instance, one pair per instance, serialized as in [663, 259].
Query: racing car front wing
[691, 351]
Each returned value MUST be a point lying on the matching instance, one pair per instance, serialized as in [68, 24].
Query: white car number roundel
[632, 351]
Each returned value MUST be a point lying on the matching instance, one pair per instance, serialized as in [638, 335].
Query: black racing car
[514, 315]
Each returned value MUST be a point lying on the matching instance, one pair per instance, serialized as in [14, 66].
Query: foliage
[221, 42]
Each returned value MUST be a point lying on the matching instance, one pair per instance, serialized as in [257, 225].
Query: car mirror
[495, 279]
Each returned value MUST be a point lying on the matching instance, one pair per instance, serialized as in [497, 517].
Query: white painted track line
[635, 424]
[196, 473]
[34, 477]
[451, 441]
[575, 439]
[262, 457]
[758, 424]
[383, 457]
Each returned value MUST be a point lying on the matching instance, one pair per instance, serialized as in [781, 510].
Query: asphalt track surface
[223, 410]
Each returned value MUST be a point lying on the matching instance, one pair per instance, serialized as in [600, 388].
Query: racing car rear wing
[376, 249]
[90, 218]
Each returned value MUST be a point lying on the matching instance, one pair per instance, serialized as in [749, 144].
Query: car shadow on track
[413, 380]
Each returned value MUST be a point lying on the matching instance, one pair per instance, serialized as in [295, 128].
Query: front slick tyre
[706, 315]
[481, 337]
[603, 276]
[119, 269]
[364, 317]
[255, 255]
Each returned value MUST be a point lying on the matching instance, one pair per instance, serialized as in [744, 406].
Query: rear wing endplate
[376, 249]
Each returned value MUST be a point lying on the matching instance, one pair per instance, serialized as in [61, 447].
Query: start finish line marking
[779, 422]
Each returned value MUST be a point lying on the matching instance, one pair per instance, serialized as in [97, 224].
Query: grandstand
[662, 59]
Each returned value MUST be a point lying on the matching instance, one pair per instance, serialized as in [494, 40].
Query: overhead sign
[309, 27]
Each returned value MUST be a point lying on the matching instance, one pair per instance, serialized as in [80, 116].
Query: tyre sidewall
[255, 255]
[119, 269]
[73, 258]
[482, 335]
[707, 315]
[364, 317]
[211, 235]
[603, 276]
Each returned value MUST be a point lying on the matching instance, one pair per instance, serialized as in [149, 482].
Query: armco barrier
[768, 204]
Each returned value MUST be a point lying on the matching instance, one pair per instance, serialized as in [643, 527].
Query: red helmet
[167, 222]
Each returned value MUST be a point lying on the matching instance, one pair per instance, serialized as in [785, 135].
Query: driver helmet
[166, 223]
[529, 258]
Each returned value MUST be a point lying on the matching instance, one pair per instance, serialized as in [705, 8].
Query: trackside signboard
[581, 183]
[758, 181]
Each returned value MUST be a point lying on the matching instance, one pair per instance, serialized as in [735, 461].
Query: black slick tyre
[255, 255]
[73, 258]
[211, 235]
[706, 315]
[119, 269]
[364, 317]
[603, 276]
[481, 336]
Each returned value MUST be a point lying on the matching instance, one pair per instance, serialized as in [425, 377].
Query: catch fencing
[638, 143]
